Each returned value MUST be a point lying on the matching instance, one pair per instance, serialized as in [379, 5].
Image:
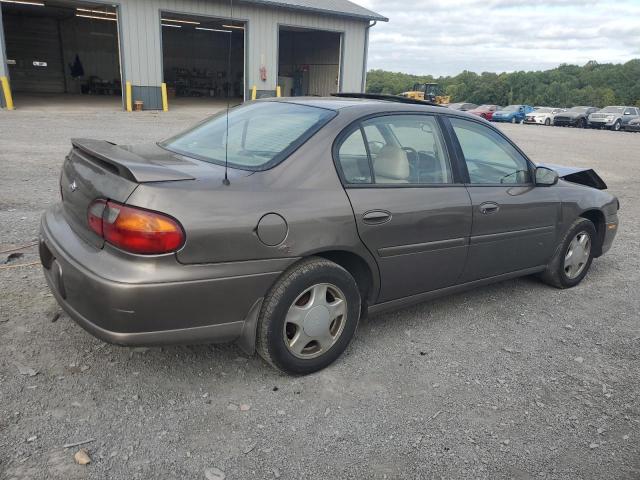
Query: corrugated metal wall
[140, 25]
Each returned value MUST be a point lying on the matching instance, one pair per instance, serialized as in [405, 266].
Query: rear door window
[402, 149]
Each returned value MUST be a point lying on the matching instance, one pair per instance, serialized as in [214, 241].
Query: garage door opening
[309, 62]
[195, 60]
[62, 55]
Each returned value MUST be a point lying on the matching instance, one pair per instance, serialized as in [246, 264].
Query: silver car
[613, 118]
[280, 225]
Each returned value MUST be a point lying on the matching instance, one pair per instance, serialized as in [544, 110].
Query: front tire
[547, 122]
[573, 257]
[308, 317]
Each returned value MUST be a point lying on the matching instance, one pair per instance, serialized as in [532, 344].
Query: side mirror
[545, 177]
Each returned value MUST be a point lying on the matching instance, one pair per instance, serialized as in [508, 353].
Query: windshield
[261, 134]
[578, 109]
[612, 110]
[511, 108]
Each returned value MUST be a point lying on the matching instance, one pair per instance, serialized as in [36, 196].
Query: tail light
[134, 229]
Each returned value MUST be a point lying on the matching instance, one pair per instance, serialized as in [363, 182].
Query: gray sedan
[282, 224]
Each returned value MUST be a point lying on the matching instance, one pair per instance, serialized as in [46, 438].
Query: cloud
[443, 38]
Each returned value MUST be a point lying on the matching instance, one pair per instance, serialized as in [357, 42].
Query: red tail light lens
[134, 229]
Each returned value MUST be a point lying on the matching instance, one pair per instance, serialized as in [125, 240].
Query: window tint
[489, 157]
[354, 160]
[407, 149]
[260, 134]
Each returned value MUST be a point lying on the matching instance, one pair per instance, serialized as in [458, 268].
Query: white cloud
[443, 38]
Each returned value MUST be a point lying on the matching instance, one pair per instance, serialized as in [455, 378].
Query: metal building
[147, 53]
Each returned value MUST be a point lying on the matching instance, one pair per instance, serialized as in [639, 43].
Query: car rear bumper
[137, 300]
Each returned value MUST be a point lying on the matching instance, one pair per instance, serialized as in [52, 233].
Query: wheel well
[357, 267]
[597, 218]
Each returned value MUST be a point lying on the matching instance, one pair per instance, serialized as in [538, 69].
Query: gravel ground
[516, 380]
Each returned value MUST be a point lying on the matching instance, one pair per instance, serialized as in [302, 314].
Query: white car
[542, 115]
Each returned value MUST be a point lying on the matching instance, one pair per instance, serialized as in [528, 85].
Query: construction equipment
[427, 91]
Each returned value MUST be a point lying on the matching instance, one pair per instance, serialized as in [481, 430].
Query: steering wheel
[412, 151]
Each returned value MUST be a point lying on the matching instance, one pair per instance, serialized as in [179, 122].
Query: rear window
[260, 134]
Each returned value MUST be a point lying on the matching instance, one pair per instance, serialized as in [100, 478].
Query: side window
[489, 157]
[407, 149]
[630, 111]
[354, 159]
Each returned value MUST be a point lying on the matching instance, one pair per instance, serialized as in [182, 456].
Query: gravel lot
[516, 380]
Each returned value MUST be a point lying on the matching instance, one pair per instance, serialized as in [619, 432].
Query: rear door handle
[375, 217]
[489, 208]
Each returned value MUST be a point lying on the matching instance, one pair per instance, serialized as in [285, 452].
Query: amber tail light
[133, 229]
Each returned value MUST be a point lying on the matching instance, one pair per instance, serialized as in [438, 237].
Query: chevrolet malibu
[281, 225]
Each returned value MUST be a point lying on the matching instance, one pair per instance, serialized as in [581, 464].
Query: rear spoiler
[127, 164]
[583, 176]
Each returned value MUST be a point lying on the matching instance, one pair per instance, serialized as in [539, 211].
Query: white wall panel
[140, 24]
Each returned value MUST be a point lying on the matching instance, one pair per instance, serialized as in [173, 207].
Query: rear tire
[291, 332]
[571, 262]
[547, 122]
[616, 126]
[513, 120]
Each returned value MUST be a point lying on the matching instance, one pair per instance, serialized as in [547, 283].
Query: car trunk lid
[99, 169]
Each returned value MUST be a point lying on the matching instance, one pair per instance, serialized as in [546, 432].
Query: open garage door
[195, 60]
[309, 62]
[62, 54]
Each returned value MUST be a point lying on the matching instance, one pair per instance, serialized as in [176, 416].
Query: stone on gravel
[578, 359]
[245, 408]
[22, 370]
[82, 457]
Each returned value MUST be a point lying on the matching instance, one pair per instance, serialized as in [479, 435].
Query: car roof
[366, 105]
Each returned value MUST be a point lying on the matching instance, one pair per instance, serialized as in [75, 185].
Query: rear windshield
[261, 134]
[511, 108]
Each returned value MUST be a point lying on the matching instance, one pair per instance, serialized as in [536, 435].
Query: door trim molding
[422, 247]
[496, 237]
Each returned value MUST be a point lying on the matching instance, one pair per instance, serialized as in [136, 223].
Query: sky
[446, 37]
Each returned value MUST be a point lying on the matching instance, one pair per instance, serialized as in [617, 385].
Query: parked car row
[613, 118]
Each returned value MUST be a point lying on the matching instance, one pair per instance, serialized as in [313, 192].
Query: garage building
[154, 52]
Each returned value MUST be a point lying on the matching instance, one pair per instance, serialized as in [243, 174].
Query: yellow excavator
[430, 92]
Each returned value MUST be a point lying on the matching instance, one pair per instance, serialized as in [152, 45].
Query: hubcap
[577, 255]
[315, 321]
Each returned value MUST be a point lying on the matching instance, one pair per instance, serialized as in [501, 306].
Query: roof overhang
[353, 11]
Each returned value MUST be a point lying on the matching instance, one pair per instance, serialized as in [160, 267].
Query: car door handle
[489, 208]
[375, 217]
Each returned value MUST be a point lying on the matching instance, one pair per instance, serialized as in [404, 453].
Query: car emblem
[73, 186]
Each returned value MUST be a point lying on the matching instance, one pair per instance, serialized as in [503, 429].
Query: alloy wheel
[315, 321]
[577, 256]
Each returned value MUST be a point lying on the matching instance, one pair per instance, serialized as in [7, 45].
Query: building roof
[342, 8]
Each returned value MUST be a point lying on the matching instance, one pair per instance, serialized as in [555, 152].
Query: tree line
[594, 84]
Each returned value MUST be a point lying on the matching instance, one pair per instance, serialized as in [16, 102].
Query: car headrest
[392, 162]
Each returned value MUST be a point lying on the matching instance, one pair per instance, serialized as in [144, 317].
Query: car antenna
[226, 141]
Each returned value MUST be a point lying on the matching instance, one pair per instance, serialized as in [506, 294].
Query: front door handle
[489, 208]
[375, 217]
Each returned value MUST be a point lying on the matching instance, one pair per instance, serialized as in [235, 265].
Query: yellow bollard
[6, 90]
[165, 102]
[128, 102]
[254, 93]
[278, 91]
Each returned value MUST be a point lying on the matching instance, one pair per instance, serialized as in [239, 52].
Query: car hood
[582, 176]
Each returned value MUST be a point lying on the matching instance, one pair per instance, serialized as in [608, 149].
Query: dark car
[633, 125]
[462, 107]
[280, 225]
[614, 118]
[574, 117]
[485, 111]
